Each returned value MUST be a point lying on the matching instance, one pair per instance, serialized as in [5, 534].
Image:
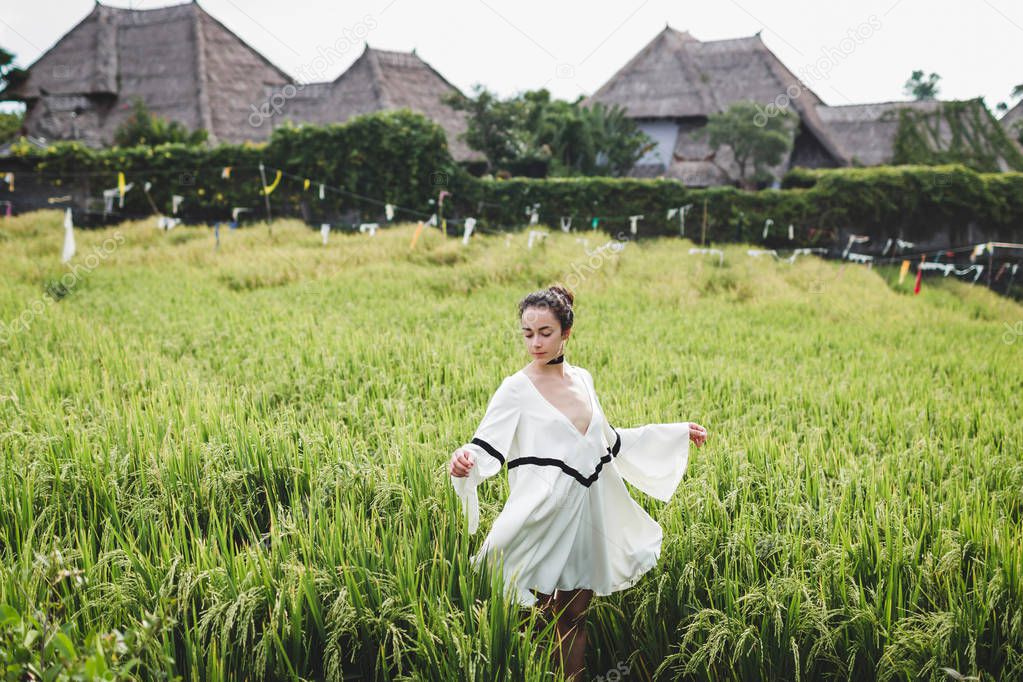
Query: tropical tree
[536, 133]
[758, 139]
[10, 75]
[10, 122]
[145, 128]
[920, 88]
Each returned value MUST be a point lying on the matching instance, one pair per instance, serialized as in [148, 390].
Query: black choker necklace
[558, 360]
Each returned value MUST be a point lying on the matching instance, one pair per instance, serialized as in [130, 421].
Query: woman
[569, 528]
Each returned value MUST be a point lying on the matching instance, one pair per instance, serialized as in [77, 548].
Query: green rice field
[231, 463]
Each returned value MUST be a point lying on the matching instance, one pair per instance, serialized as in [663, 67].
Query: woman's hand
[461, 462]
[697, 434]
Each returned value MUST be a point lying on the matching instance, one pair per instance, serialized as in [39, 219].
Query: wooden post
[990, 264]
[703, 237]
[266, 197]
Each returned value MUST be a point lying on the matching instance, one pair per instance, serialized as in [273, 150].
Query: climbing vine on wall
[955, 132]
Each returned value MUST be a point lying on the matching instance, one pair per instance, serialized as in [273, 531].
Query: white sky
[572, 47]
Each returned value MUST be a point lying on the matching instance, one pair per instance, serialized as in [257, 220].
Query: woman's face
[542, 334]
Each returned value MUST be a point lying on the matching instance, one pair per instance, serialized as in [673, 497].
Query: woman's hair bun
[555, 298]
[569, 296]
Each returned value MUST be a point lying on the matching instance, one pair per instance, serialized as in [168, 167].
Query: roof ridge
[380, 50]
[205, 112]
[741, 39]
[687, 63]
[126, 10]
[899, 101]
[643, 52]
[807, 110]
[369, 54]
[201, 11]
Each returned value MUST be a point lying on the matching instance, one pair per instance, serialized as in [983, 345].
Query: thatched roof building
[188, 67]
[183, 63]
[676, 82]
[869, 132]
[381, 80]
[1013, 120]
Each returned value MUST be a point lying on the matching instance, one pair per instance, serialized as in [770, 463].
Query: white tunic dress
[569, 521]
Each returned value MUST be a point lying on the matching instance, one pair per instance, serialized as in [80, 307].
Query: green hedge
[912, 201]
[397, 157]
[976, 140]
[402, 158]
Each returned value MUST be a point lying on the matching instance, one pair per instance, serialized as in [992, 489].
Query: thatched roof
[190, 68]
[381, 80]
[1013, 118]
[867, 132]
[677, 76]
[183, 63]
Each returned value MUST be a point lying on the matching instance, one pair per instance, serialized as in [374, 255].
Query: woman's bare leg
[544, 608]
[572, 606]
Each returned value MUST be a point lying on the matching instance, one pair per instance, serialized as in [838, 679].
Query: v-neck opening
[589, 397]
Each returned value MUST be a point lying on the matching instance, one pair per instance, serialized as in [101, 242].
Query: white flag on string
[69, 237]
[716, 252]
[633, 219]
[108, 200]
[470, 225]
[854, 239]
[802, 252]
[681, 212]
[534, 214]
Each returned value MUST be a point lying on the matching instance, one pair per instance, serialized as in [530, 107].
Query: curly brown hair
[555, 298]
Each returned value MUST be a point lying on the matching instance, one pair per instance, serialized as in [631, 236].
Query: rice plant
[235, 458]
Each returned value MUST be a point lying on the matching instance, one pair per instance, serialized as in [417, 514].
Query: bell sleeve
[653, 458]
[490, 447]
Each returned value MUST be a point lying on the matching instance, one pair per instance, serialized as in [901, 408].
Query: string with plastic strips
[879, 260]
[255, 169]
[417, 213]
[887, 260]
[355, 195]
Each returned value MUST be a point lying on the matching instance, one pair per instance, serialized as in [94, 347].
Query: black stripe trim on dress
[491, 450]
[574, 473]
[618, 442]
[571, 471]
